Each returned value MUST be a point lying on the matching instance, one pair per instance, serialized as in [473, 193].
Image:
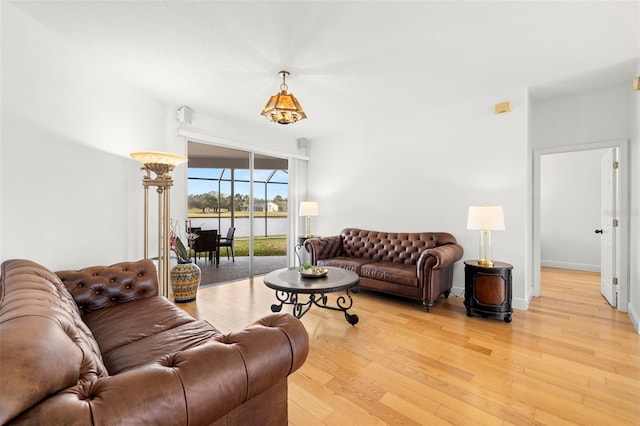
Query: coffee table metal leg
[351, 318]
[286, 298]
[343, 304]
[278, 307]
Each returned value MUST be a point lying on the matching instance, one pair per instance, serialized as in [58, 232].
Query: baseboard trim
[569, 265]
[457, 291]
[520, 304]
[634, 316]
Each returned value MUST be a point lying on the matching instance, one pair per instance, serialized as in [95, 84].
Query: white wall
[570, 210]
[422, 174]
[266, 137]
[594, 116]
[71, 196]
[600, 115]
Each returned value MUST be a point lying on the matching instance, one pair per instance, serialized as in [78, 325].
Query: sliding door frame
[294, 170]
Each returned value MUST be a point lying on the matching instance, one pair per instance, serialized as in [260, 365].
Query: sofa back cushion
[398, 247]
[99, 287]
[44, 344]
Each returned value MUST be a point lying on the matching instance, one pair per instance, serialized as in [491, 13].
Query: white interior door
[607, 230]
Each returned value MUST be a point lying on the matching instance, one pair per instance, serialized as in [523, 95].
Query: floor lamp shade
[485, 219]
[308, 209]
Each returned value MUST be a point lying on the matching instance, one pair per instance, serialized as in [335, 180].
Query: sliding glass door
[247, 205]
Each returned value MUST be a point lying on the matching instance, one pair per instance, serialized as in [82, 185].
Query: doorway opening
[621, 262]
[244, 198]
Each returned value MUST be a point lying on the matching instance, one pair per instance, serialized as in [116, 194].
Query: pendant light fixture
[283, 107]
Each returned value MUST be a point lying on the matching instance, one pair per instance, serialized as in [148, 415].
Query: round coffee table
[288, 284]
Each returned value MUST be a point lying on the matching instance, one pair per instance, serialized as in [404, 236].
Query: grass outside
[262, 246]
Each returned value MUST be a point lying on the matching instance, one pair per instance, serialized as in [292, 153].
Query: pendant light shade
[283, 107]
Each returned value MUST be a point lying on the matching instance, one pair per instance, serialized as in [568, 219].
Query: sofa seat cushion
[350, 263]
[397, 273]
[141, 332]
[153, 348]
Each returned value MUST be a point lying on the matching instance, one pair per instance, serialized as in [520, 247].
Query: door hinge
[615, 222]
[616, 164]
[614, 280]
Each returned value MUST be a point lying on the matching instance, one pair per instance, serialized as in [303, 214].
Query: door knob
[598, 231]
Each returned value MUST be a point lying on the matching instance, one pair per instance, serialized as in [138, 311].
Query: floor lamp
[161, 164]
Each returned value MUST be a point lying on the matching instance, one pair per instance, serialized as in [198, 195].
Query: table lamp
[485, 218]
[308, 209]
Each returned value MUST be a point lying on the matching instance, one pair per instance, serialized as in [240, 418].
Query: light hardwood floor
[568, 359]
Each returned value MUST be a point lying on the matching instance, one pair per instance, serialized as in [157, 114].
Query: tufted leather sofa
[413, 265]
[100, 347]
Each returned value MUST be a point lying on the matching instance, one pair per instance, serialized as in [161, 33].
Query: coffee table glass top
[289, 279]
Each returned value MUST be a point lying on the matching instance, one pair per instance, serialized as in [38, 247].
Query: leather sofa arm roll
[195, 386]
[445, 255]
[324, 247]
[438, 259]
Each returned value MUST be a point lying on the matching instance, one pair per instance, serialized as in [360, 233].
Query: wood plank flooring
[569, 359]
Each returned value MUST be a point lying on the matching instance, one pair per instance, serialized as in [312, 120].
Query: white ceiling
[350, 61]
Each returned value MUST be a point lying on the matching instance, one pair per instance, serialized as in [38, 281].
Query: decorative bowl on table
[313, 272]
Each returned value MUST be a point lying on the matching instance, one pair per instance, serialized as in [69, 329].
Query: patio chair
[207, 243]
[228, 242]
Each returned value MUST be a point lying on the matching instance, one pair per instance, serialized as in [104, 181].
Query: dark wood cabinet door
[488, 290]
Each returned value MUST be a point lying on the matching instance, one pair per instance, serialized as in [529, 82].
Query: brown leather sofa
[413, 265]
[100, 347]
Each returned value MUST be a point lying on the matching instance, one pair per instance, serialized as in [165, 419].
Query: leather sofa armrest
[194, 386]
[323, 247]
[445, 255]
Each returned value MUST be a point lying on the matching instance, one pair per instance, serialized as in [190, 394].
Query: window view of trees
[212, 202]
[211, 206]
[209, 192]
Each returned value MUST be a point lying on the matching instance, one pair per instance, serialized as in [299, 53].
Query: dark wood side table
[487, 289]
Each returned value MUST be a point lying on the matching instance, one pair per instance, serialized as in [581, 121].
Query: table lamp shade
[308, 208]
[486, 218]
